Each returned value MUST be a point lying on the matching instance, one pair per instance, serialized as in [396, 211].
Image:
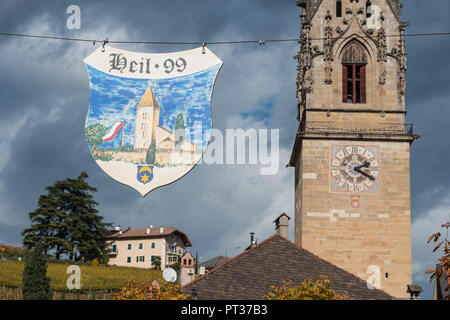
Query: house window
[141, 245]
[141, 259]
[153, 245]
[114, 248]
[354, 63]
[129, 246]
[339, 9]
[129, 260]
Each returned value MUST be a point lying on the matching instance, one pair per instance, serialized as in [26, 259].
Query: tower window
[339, 9]
[368, 9]
[354, 63]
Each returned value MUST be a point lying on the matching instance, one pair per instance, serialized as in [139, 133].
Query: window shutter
[363, 84]
[344, 83]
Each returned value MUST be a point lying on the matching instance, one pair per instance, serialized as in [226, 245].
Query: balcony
[356, 128]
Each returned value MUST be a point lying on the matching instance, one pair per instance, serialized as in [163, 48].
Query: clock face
[355, 168]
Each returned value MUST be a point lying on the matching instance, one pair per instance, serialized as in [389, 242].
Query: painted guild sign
[149, 118]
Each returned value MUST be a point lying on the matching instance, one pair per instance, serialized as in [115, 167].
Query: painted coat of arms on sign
[149, 119]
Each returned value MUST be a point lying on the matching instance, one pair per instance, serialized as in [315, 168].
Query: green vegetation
[92, 278]
[125, 148]
[179, 129]
[103, 156]
[66, 221]
[36, 284]
[94, 134]
[151, 153]
[156, 263]
[11, 252]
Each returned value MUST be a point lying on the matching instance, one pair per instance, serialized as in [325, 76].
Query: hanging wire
[261, 42]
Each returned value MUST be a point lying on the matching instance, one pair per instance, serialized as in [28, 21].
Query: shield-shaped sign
[149, 118]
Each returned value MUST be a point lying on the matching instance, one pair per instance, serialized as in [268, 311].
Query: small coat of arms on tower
[149, 119]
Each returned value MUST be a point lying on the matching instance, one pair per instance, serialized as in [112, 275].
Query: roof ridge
[320, 258]
[290, 242]
[231, 260]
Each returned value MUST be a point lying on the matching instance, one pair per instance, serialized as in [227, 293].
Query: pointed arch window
[368, 9]
[354, 61]
[339, 9]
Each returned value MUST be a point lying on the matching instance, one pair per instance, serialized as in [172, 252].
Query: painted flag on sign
[113, 131]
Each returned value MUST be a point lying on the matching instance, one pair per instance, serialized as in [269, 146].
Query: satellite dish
[170, 275]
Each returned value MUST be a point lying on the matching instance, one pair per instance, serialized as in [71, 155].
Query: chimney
[414, 291]
[161, 230]
[252, 238]
[120, 232]
[151, 226]
[117, 228]
[282, 225]
[147, 231]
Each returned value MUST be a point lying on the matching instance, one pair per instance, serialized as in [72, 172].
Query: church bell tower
[352, 149]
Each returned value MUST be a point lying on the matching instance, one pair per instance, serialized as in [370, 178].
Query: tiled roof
[249, 275]
[214, 262]
[141, 233]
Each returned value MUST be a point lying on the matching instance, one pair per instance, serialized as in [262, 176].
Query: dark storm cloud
[44, 96]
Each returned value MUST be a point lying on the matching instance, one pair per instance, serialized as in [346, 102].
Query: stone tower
[352, 150]
[187, 269]
[147, 119]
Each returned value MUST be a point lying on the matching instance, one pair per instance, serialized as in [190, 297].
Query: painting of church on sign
[153, 143]
[170, 146]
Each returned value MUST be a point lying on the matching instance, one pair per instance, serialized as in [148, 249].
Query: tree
[156, 263]
[145, 291]
[87, 230]
[196, 262]
[307, 290]
[36, 284]
[67, 221]
[179, 129]
[442, 268]
[94, 134]
[151, 153]
[48, 225]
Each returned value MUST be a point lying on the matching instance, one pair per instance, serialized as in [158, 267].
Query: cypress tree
[36, 284]
[151, 153]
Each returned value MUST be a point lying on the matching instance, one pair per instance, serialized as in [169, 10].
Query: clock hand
[365, 165]
[372, 178]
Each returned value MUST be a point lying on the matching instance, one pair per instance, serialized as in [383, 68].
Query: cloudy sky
[44, 98]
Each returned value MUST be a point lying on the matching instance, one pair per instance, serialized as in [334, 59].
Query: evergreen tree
[179, 128]
[196, 262]
[36, 284]
[67, 221]
[86, 229]
[151, 153]
[48, 225]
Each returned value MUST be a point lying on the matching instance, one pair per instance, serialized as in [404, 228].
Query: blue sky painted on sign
[191, 96]
[115, 99]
